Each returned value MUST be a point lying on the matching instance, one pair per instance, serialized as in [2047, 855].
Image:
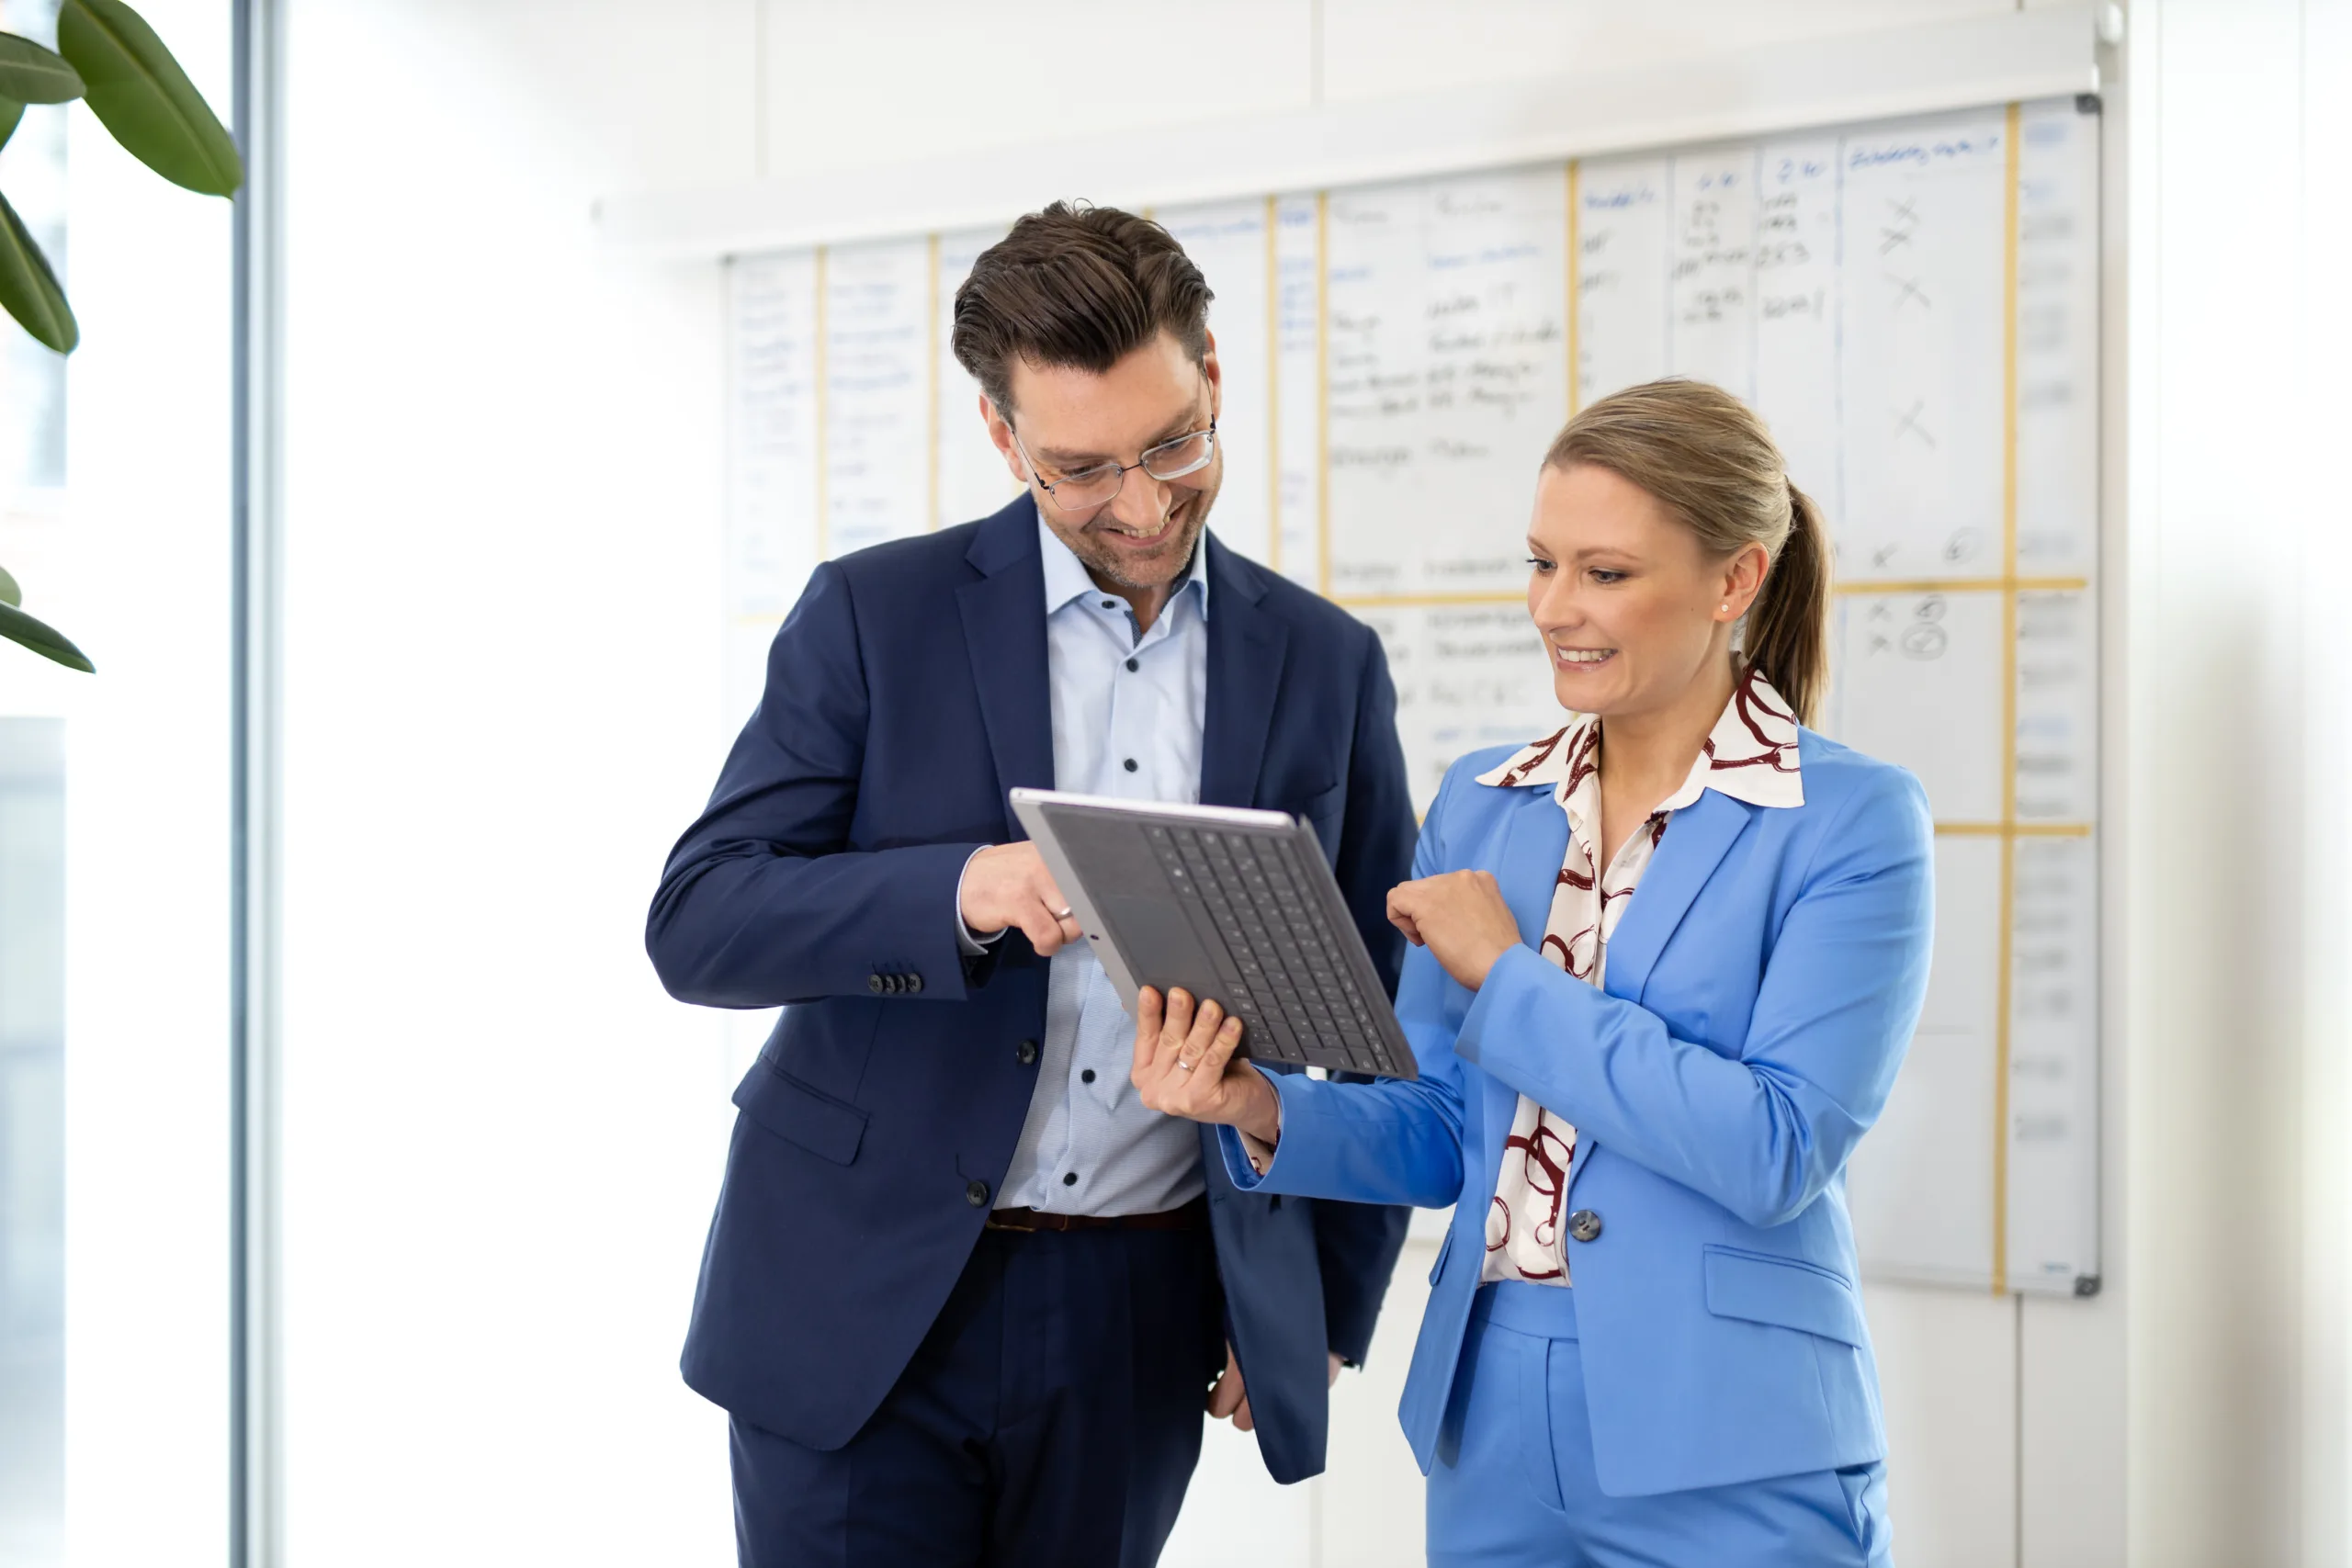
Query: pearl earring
[1726, 609]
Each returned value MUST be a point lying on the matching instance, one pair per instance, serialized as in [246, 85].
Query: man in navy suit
[963, 1292]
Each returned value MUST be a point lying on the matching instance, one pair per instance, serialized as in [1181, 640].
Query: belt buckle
[993, 1224]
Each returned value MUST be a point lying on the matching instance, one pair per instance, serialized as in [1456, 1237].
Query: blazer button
[1026, 1051]
[1584, 1224]
[977, 1194]
[914, 985]
[873, 983]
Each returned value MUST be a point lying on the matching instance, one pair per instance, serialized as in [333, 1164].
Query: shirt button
[1132, 665]
[977, 1194]
[1132, 764]
[1026, 1051]
[1069, 1178]
[1087, 1077]
[1109, 604]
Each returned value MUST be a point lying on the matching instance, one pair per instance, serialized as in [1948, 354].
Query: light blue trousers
[1522, 1491]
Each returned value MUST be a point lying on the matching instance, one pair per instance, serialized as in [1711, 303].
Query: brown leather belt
[1193, 1216]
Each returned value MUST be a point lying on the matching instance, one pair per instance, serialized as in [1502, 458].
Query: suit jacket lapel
[1004, 634]
[1247, 647]
[1696, 840]
[1535, 841]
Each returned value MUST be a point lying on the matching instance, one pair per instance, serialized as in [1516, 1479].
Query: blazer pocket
[1785, 1292]
[827, 1128]
[1325, 806]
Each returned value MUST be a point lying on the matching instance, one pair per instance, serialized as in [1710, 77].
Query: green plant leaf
[11, 111]
[47, 641]
[31, 74]
[29, 290]
[9, 593]
[142, 96]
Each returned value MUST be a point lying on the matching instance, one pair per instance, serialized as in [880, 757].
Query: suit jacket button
[1026, 1051]
[914, 985]
[977, 1194]
[873, 983]
[1584, 1224]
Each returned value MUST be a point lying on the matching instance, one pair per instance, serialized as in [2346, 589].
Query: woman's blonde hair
[1709, 460]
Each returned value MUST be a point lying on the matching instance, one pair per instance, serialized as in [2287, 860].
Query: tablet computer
[1234, 906]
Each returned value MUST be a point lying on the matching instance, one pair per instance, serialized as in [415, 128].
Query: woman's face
[1632, 609]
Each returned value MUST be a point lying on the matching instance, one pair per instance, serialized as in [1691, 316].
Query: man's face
[1070, 421]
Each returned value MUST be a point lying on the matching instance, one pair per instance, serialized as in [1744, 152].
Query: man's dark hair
[1075, 286]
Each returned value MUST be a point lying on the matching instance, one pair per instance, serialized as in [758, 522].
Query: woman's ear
[1744, 577]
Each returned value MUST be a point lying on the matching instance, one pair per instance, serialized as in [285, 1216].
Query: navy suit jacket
[906, 696]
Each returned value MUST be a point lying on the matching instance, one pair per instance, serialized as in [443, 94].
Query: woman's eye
[1604, 576]
[1536, 565]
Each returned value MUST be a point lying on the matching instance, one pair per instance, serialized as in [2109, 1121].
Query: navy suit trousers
[1052, 1416]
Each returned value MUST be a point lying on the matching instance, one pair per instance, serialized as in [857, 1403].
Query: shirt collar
[1067, 578]
[1750, 755]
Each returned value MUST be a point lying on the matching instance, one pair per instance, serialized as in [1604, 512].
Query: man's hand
[1185, 1065]
[1460, 917]
[1227, 1397]
[1007, 884]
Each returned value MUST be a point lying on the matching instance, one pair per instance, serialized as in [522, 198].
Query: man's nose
[1141, 502]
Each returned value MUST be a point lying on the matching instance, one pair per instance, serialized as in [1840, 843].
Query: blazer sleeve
[763, 903]
[1392, 1141]
[1357, 1244]
[1761, 1133]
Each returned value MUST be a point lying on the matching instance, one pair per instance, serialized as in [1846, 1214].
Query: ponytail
[1788, 627]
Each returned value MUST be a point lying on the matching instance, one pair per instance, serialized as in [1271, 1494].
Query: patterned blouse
[1752, 756]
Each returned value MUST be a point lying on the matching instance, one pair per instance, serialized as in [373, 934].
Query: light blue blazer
[1762, 988]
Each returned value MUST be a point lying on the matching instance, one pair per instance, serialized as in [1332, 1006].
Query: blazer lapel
[1535, 841]
[1004, 633]
[1247, 647]
[1696, 840]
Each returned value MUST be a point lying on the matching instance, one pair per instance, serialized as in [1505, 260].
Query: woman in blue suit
[1667, 961]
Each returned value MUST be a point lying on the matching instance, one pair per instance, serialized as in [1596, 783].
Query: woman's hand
[1185, 1065]
[1460, 917]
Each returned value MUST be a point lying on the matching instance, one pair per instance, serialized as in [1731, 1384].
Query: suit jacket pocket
[1786, 1293]
[829, 1128]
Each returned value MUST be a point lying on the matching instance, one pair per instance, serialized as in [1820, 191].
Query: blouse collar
[1750, 755]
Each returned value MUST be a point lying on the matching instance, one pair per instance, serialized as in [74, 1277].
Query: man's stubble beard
[1108, 561]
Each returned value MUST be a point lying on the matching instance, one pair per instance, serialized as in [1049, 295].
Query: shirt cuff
[971, 941]
[1260, 1154]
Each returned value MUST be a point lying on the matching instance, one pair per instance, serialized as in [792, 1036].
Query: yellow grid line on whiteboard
[2014, 830]
[1967, 585]
[930, 377]
[824, 523]
[1575, 269]
[1323, 391]
[1273, 385]
[2002, 1027]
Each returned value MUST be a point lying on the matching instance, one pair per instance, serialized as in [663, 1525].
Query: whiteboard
[1913, 307]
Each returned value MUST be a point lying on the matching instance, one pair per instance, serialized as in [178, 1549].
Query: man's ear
[1000, 435]
[1215, 373]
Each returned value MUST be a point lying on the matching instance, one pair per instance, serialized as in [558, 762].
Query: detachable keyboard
[1238, 905]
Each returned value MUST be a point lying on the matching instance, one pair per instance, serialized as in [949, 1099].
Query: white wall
[2235, 1093]
[502, 700]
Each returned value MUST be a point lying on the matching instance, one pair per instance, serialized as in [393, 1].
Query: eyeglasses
[1094, 488]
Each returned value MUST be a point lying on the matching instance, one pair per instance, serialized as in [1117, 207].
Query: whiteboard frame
[2047, 52]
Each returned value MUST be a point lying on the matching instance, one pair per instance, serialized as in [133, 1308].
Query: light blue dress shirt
[1127, 709]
